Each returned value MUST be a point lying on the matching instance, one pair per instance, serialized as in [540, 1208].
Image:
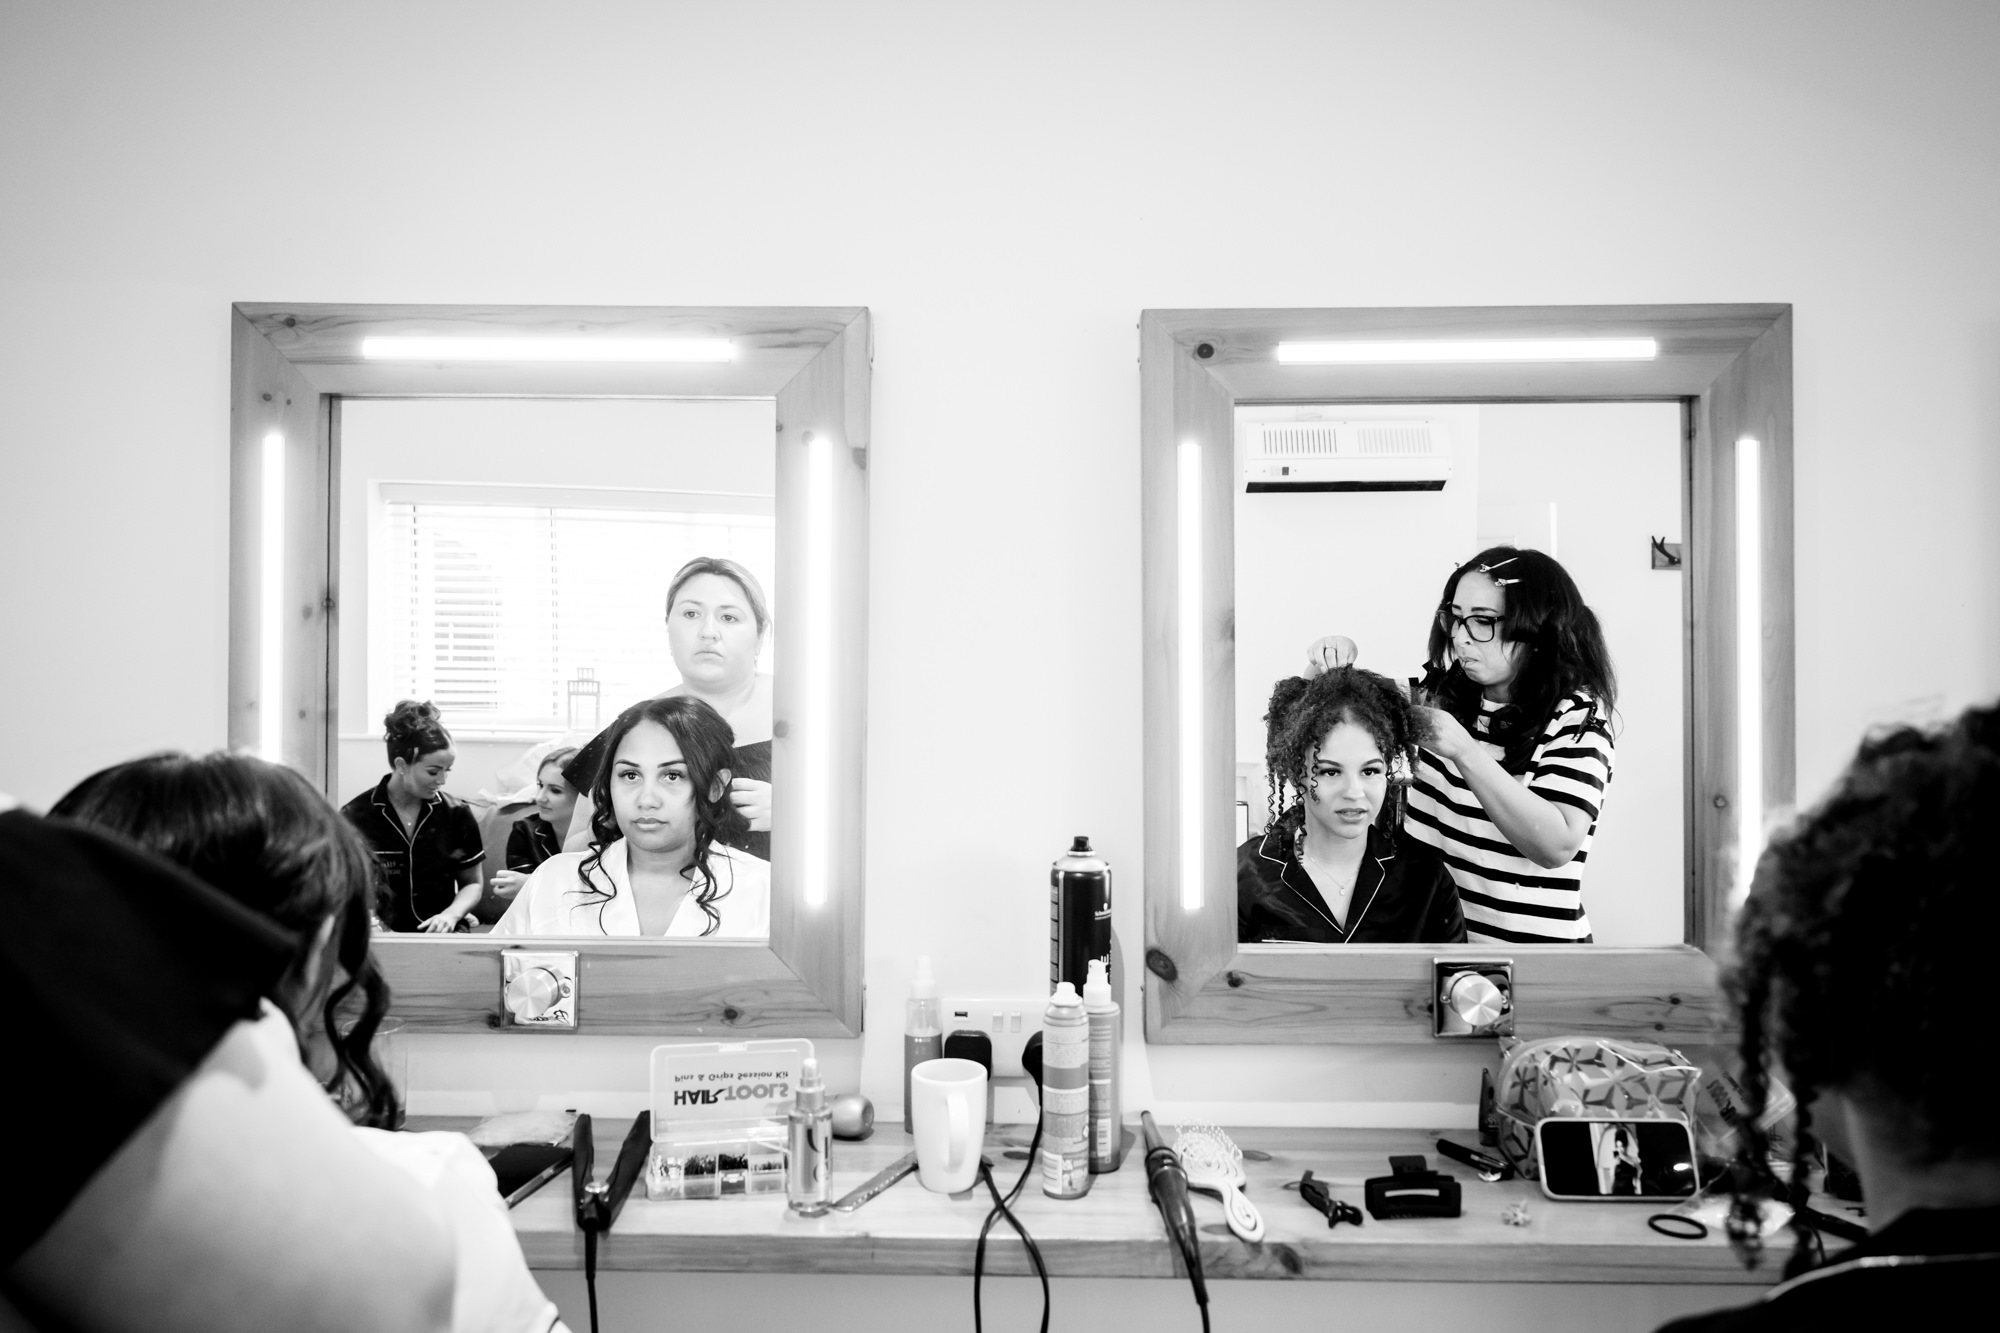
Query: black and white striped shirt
[1506, 896]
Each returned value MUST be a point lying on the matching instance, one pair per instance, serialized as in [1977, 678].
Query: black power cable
[1031, 1062]
[1003, 1207]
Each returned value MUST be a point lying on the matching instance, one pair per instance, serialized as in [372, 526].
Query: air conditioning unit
[1366, 455]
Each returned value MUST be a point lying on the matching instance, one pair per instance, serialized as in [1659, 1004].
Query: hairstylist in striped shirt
[1511, 777]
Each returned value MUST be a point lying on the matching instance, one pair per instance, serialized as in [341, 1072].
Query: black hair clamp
[1411, 1189]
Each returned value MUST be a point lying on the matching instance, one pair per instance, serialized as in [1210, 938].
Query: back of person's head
[706, 742]
[1303, 709]
[258, 832]
[1863, 955]
[1565, 649]
[413, 729]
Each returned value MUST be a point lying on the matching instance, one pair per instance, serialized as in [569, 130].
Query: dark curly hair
[1303, 709]
[411, 730]
[706, 742]
[1566, 651]
[1862, 955]
[260, 833]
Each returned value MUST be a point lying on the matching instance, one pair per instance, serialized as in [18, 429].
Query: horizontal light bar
[546, 349]
[1420, 350]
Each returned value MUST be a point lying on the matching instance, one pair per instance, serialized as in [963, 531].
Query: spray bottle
[923, 1029]
[1106, 1123]
[1065, 1096]
[808, 1135]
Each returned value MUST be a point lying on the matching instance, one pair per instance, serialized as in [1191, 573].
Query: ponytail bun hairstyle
[413, 729]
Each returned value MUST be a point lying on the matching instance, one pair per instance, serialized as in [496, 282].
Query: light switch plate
[1484, 989]
[538, 990]
[1009, 1023]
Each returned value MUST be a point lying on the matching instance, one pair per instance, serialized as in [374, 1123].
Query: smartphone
[1618, 1161]
[523, 1168]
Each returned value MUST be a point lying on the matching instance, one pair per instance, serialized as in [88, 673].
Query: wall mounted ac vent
[1366, 455]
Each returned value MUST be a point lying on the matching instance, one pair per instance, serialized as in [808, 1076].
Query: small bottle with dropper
[923, 1029]
[808, 1135]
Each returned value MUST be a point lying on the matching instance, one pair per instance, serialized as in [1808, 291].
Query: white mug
[948, 1120]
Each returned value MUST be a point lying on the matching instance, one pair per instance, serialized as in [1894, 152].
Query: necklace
[1341, 884]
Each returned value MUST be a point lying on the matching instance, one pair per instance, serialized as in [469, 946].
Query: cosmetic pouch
[1589, 1078]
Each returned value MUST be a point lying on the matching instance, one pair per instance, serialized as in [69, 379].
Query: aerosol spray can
[1106, 1114]
[808, 1135]
[1079, 914]
[1065, 1096]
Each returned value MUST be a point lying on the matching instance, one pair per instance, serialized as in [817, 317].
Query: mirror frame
[1731, 368]
[291, 364]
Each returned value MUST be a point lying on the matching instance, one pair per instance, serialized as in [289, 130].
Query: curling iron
[1167, 1182]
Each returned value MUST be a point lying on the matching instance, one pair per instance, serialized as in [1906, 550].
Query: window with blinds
[539, 618]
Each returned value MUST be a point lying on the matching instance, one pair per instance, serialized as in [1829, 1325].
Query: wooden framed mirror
[292, 368]
[1728, 368]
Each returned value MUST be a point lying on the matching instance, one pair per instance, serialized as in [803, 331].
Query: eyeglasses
[1479, 627]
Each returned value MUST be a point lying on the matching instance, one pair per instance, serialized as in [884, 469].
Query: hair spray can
[1079, 914]
[1065, 1096]
[1106, 1113]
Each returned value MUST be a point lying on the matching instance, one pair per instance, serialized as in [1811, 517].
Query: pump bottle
[808, 1136]
[1106, 1109]
[923, 1029]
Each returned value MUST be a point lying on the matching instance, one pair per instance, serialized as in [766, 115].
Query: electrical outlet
[1009, 1023]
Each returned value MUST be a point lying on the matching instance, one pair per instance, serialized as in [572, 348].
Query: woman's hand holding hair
[1546, 833]
[1444, 735]
[507, 883]
[1329, 651]
[752, 800]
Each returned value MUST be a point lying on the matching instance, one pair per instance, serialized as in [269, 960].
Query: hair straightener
[598, 1203]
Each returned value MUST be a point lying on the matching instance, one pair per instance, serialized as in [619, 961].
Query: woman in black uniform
[717, 621]
[1333, 867]
[533, 839]
[426, 842]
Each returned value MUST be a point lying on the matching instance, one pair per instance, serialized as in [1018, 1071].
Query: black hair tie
[1679, 1226]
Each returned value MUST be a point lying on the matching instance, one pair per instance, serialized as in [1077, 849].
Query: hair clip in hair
[1487, 570]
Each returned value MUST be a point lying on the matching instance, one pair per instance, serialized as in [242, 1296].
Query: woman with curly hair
[1516, 749]
[659, 861]
[1332, 868]
[1862, 972]
[258, 833]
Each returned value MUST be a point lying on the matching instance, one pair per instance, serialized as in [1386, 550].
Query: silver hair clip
[1487, 570]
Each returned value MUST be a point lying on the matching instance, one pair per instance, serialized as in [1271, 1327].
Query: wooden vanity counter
[1116, 1232]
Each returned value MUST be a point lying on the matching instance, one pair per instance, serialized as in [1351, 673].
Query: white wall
[1005, 188]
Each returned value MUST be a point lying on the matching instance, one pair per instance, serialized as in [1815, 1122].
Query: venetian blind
[539, 618]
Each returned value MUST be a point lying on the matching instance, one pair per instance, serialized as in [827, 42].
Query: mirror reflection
[1451, 633]
[556, 638]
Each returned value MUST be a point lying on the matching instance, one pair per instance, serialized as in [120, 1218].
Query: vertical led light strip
[271, 603]
[819, 719]
[1749, 666]
[1190, 675]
